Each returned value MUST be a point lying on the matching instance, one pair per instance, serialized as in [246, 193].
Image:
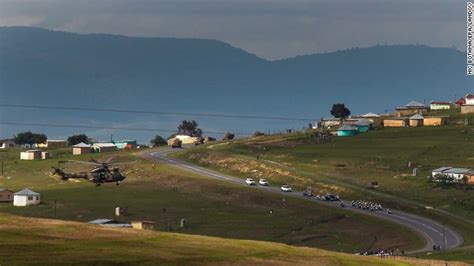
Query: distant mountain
[39, 66]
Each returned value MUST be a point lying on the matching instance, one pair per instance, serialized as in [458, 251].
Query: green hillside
[46, 242]
[347, 166]
[158, 192]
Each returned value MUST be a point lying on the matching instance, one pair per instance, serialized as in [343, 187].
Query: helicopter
[101, 173]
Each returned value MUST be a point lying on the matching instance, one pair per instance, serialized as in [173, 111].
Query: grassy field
[46, 242]
[347, 166]
[157, 192]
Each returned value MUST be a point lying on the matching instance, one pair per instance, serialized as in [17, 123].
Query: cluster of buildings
[21, 198]
[78, 149]
[459, 175]
[413, 114]
[99, 147]
[185, 139]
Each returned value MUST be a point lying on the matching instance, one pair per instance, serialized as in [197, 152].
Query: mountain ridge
[206, 76]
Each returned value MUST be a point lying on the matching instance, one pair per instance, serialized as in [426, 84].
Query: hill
[165, 194]
[42, 241]
[199, 75]
[347, 166]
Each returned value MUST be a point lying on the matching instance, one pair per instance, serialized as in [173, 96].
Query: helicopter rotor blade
[124, 163]
[82, 162]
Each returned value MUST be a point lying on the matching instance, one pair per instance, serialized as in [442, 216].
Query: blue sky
[272, 29]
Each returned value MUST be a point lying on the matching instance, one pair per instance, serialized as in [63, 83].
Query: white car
[286, 188]
[263, 182]
[250, 182]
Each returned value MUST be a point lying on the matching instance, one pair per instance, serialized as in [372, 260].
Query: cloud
[21, 20]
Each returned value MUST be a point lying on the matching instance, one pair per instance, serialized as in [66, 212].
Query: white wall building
[26, 197]
[457, 174]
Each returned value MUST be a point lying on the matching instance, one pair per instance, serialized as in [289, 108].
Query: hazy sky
[269, 28]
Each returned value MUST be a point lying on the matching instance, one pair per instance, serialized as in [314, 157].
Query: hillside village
[413, 114]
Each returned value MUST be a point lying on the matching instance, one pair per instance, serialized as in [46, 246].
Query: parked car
[263, 182]
[250, 182]
[330, 197]
[286, 188]
[308, 192]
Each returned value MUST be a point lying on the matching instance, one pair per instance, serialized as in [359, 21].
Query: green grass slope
[46, 242]
[158, 192]
[347, 166]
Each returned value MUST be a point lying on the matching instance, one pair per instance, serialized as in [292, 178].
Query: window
[30, 198]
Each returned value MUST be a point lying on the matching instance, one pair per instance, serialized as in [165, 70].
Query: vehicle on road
[308, 192]
[177, 144]
[250, 182]
[330, 197]
[286, 188]
[263, 182]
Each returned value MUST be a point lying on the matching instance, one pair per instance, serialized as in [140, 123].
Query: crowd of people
[366, 205]
[381, 253]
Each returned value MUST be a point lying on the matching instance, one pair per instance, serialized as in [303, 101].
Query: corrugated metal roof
[371, 115]
[414, 104]
[26, 192]
[457, 171]
[104, 145]
[82, 145]
[441, 169]
[416, 117]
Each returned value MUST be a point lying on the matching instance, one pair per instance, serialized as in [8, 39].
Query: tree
[29, 138]
[76, 139]
[189, 128]
[339, 110]
[158, 141]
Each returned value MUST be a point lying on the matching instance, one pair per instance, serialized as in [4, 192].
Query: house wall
[346, 133]
[56, 144]
[440, 106]
[470, 101]
[411, 111]
[394, 123]
[458, 177]
[416, 122]
[470, 179]
[6, 196]
[435, 121]
[105, 149]
[79, 151]
[467, 109]
[30, 155]
[20, 201]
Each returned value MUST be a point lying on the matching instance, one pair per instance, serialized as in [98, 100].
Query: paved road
[430, 230]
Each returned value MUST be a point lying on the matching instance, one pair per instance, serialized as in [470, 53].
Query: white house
[26, 197]
[457, 174]
[104, 147]
[31, 155]
[469, 99]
